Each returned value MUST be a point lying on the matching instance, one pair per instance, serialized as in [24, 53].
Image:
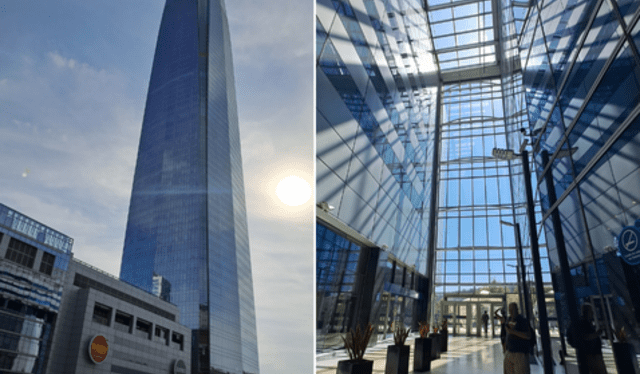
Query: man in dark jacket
[516, 358]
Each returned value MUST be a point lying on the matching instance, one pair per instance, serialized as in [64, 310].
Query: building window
[143, 329]
[161, 335]
[123, 322]
[101, 314]
[21, 253]
[177, 340]
[46, 266]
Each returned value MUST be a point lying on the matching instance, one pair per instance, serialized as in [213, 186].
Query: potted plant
[355, 342]
[444, 333]
[624, 354]
[422, 349]
[436, 342]
[398, 354]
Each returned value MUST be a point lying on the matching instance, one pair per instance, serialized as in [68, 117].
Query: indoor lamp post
[522, 273]
[508, 155]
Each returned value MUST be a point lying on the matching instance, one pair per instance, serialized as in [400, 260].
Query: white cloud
[75, 129]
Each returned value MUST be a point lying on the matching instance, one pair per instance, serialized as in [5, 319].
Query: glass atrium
[416, 216]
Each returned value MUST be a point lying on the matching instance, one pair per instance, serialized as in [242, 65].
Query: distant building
[33, 261]
[161, 287]
[142, 331]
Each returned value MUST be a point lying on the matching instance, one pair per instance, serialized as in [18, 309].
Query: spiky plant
[400, 336]
[356, 342]
[424, 329]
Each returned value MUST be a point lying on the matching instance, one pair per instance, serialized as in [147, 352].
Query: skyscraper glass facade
[560, 75]
[187, 220]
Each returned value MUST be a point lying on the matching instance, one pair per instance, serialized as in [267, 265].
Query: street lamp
[508, 155]
[521, 270]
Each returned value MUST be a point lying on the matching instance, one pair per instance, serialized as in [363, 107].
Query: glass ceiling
[465, 32]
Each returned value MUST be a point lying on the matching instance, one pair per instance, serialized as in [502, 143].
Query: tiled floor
[466, 355]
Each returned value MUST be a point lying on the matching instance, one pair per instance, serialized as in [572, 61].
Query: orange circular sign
[98, 349]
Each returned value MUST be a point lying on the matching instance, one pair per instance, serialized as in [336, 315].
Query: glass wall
[582, 77]
[376, 108]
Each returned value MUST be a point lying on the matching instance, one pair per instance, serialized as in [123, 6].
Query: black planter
[397, 359]
[422, 354]
[355, 367]
[625, 357]
[444, 339]
[435, 346]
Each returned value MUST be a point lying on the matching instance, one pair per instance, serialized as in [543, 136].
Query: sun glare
[293, 190]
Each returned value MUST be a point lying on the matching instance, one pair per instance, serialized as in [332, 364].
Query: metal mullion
[587, 99]
[452, 19]
[595, 159]
[480, 54]
[455, 33]
[453, 4]
[468, 46]
[578, 49]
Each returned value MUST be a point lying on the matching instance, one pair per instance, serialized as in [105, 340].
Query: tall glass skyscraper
[187, 218]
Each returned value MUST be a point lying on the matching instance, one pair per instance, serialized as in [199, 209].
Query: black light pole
[565, 273]
[507, 154]
[525, 286]
[522, 274]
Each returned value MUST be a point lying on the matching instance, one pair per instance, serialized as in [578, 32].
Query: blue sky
[73, 82]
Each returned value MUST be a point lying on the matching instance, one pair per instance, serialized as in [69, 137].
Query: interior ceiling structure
[466, 36]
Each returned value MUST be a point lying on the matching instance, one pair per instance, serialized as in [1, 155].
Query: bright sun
[293, 190]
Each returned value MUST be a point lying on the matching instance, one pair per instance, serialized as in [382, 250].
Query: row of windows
[24, 254]
[34, 229]
[142, 329]
[84, 282]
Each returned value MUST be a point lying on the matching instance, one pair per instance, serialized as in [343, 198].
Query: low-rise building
[59, 315]
[142, 332]
[33, 264]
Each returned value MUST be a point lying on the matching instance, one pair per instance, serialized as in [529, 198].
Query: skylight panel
[440, 15]
[447, 56]
[466, 24]
[465, 10]
[466, 53]
[442, 29]
[470, 61]
[449, 65]
[438, 2]
[468, 38]
[446, 42]
[488, 35]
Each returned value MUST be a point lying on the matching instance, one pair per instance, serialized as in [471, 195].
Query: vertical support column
[537, 269]
[363, 287]
[565, 274]
[469, 318]
[493, 321]
[433, 206]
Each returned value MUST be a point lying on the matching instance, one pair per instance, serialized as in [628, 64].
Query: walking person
[518, 346]
[588, 341]
[485, 322]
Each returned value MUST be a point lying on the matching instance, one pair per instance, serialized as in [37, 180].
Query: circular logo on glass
[628, 243]
[629, 240]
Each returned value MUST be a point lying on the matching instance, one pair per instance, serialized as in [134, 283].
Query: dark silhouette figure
[587, 341]
[485, 322]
